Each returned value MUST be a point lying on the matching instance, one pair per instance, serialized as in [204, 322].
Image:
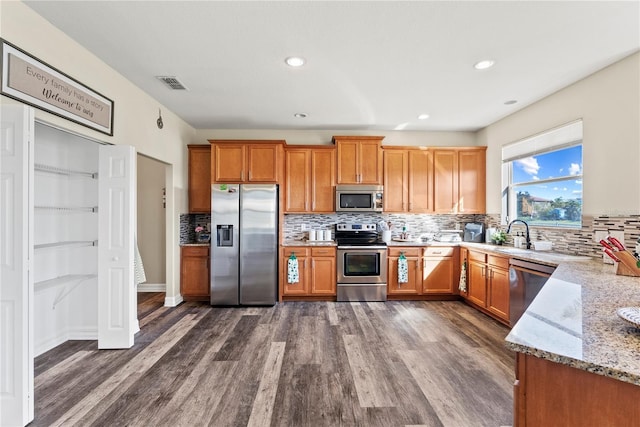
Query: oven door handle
[362, 247]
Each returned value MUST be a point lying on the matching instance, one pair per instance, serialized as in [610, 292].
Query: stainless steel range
[361, 263]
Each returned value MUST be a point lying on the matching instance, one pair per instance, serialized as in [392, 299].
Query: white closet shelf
[39, 167]
[63, 279]
[71, 243]
[92, 209]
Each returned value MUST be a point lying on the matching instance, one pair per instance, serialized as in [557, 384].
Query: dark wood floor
[295, 364]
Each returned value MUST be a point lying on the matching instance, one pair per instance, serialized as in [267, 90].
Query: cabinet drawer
[300, 251]
[477, 256]
[498, 261]
[323, 252]
[408, 251]
[438, 251]
[197, 251]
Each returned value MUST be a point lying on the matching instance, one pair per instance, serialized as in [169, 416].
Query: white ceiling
[371, 65]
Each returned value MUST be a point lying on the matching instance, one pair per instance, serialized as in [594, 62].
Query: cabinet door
[323, 275]
[348, 167]
[437, 275]
[395, 178]
[498, 301]
[194, 273]
[302, 286]
[477, 283]
[323, 180]
[229, 163]
[263, 163]
[413, 285]
[472, 181]
[420, 181]
[199, 178]
[297, 180]
[445, 181]
[370, 162]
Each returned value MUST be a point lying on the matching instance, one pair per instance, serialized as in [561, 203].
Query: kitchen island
[578, 363]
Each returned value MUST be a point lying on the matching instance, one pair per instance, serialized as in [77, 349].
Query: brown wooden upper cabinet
[408, 180]
[359, 159]
[310, 179]
[199, 178]
[241, 161]
[459, 180]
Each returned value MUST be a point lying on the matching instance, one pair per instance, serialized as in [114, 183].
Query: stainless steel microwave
[359, 198]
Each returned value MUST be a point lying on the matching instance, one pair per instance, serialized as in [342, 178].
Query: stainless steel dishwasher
[526, 278]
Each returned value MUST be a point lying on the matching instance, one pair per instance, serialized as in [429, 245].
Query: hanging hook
[159, 121]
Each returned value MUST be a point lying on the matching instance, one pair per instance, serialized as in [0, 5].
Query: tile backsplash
[188, 223]
[573, 242]
[417, 224]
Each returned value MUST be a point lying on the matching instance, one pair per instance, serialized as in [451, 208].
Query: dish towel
[463, 277]
[292, 270]
[403, 269]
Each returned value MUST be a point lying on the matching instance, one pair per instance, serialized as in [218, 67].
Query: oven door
[362, 264]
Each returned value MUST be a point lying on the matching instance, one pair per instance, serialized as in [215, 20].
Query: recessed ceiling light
[423, 116]
[295, 61]
[484, 64]
[300, 115]
[510, 102]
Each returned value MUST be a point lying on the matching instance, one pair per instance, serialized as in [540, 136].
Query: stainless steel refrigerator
[244, 244]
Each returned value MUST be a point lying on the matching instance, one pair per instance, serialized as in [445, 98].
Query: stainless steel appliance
[526, 278]
[244, 247]
[474, 232]
[359, 198]
[361, 263]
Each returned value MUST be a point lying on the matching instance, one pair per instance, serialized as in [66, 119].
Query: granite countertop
[291, 242]
[419, 243]
[573, 321]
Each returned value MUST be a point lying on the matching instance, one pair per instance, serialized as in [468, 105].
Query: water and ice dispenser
[224, 233]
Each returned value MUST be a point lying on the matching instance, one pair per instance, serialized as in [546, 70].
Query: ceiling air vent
[172, 82]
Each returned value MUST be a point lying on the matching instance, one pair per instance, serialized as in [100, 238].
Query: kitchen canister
[326, 235]
[490, 232]
[386, 236]
[312, 234]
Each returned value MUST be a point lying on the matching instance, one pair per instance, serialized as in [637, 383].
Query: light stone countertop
[291, 242]
[573, 321]
[195, 244]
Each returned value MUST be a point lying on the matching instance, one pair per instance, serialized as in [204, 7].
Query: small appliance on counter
[474, 232]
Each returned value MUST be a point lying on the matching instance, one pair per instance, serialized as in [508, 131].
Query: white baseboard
[173, 302]
[152, 287]
[86, 334]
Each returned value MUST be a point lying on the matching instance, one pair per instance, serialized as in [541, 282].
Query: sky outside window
[563, 163]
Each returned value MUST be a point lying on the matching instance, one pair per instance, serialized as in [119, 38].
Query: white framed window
[542, 178]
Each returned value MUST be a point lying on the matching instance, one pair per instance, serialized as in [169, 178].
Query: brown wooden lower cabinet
[194, 273]
[316, 273]
[552, 394]
[432, 271]
[488, 283]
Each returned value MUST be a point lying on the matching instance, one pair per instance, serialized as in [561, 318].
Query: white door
[16, 249]
[116, 223]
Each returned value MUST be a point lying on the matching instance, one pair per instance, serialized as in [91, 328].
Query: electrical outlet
[304, 227]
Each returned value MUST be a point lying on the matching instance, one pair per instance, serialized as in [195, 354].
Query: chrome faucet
[526, 225]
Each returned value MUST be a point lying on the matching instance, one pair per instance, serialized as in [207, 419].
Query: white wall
[135, 112]
[151, 219]
[323, 137]
[609, 104]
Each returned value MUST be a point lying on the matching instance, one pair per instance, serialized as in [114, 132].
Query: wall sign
[29, 80]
